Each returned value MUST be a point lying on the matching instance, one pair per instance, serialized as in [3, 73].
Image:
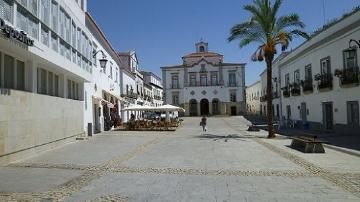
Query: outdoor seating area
[152, 119]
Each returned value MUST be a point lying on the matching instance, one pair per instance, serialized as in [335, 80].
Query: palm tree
[269, 31]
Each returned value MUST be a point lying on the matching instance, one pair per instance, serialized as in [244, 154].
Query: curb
[340, 149]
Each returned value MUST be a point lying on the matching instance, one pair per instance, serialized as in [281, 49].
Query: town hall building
[205, 85]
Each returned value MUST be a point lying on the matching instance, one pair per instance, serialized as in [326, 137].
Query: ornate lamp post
[102, 61]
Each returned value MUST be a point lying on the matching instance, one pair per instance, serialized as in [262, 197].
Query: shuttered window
[45, 11]
[6, 10]
[44, 35]
[54, 42]
[54, 16]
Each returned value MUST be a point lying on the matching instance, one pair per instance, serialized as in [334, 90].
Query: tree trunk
[269, 94]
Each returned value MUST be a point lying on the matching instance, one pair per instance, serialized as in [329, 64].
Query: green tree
[269, 31]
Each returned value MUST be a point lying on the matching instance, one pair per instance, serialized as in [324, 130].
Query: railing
[232, 84]
[174, 86]
[295, 89]
[325, 80]
[130, 95]
[156, 97]
[286, 92]
[263, 98]
[198, 83]
[307, 85]
[348, 76]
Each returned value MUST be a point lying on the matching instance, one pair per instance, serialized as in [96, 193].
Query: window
[353, 113]
[175, 99]
[54, 42]
[111, 71]
[6, 10]
[44, 35]
[50, 84]
[20, 75]
[325, 65]
[308, 73]
[214, 80]
[174, 81]
[288, 112]
[9, 72]
[201, 49]
[74, 54]
[350, 61]
[192, 79]
[73, 34]
[203, 79]
[232, 79]
[45, 11]
[54, 16]
[232, 96]
[62, 47]
[287, 79]
[56, 85]
[297, 76]
[73, 90]
[67, 28]
[33, 7]
[42, 84]
[78, 37]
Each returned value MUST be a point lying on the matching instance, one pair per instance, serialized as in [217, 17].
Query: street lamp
[102, 61]
[357, 43]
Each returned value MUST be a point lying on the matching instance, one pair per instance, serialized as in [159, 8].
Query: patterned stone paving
[347, 181]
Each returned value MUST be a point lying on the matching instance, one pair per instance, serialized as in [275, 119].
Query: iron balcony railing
[307, 85]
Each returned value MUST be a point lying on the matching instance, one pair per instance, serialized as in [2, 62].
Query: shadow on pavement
[223, 137]
[340, 140]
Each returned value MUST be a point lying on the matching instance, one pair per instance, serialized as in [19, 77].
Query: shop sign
[15, 34]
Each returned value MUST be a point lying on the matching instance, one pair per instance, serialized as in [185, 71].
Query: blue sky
[161, 31]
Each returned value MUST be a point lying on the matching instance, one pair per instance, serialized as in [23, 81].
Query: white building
[45, 59]
[253, 98]
[320, 79]
[102, 95]
[132, 87]
[205, 85]
[155, 83]
[276, 103]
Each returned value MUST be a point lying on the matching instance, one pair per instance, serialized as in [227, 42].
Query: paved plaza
[226, 163]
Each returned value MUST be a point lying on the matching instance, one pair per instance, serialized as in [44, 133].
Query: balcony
[263, 98]
[324, 80]
[156, 97]
[348, 76]
[307, 85]
[130, 95]
[276, 95]
[174, 86]
[232, 84]
[200, 84]
[295, 89]
[286, 91]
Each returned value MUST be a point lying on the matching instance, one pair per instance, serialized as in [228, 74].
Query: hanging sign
[15, 34]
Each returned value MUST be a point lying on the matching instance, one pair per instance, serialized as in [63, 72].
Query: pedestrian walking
[203, 123]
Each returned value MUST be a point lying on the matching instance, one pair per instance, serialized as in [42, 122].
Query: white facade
[154, 82]
[325, 104]
[253, 93]
[275, 86]
[102, 95]
[44, 77]
[205, 85]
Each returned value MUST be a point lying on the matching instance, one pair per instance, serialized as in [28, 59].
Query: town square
[132, 100]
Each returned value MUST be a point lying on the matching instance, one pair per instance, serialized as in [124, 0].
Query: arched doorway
[204, 107]
[193, 107]
[215, 106]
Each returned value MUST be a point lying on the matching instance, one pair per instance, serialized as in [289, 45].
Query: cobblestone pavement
[226, 164]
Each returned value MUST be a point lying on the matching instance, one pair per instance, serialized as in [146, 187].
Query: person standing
[203, 123]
